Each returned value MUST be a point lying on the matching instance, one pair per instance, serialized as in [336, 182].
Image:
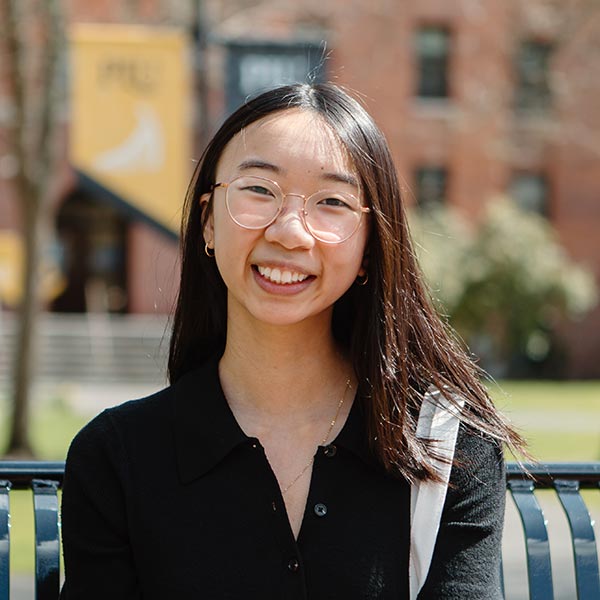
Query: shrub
[505, 285]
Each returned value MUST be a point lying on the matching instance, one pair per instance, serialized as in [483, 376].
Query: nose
[289, 229]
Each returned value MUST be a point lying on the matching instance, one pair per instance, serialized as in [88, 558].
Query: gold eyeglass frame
[303, 213]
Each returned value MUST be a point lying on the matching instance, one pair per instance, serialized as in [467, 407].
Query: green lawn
[53, 426]
[561, 420]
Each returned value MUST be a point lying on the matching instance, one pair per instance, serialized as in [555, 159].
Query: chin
[286, 320]
[278, 316]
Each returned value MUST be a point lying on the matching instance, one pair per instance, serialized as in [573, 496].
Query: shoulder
[148, 416]
[126, 418]
[477, 480]
[477, 453]
[146, 431]
[109, 437]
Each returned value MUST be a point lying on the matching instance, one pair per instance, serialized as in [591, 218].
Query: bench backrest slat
[585, 553]
[47, 539]
[4, 539]
[539, 567]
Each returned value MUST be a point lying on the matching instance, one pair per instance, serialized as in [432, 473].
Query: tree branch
[50, 101]
[13, 76]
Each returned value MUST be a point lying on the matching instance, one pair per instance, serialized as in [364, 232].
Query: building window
[530, 192]
[254, 67]
[431, 184]
[433, 44]
[533, 76]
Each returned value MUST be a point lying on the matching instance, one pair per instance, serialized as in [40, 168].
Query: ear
[208, 232]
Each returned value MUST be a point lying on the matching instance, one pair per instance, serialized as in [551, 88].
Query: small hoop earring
[207, 251]
[362, 279]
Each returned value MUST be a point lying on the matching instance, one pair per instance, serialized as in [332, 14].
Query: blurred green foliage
[505, 284]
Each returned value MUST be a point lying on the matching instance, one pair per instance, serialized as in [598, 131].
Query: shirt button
[330, 451]
[320, 510]
[293, 565]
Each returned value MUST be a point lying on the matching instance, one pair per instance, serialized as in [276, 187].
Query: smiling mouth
[281, 276]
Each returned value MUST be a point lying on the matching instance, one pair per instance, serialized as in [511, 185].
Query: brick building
[476, 97]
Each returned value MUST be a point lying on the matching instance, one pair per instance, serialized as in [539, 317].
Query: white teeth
[281, 276]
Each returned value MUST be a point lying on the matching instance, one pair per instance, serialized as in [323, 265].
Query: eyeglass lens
[254, 202]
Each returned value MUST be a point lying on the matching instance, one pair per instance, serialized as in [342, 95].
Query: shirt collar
[206, 430]
[353, 435]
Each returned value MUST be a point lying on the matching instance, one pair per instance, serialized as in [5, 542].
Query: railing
[45, 478]
[566, 479]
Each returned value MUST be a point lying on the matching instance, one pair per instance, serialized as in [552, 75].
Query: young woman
[281, 461]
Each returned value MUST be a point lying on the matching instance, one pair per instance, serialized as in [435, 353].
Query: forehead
[293, 139]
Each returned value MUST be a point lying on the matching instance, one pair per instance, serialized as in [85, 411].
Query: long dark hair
[398, 343]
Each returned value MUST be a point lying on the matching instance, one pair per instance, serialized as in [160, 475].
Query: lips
[281, 275]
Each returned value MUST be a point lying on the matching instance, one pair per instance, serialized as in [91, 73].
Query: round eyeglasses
[255, 202]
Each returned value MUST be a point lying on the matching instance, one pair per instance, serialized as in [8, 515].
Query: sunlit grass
[560, 420]
[53, 426]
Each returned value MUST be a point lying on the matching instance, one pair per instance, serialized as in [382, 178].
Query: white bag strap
[438, 420]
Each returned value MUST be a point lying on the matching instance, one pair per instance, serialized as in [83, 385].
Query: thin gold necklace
[331, 426]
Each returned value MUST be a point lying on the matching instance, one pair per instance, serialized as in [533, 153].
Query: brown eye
[334, 202]
[258, 189]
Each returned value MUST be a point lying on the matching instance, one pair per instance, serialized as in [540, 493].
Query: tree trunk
[34, 95]
[23, 372]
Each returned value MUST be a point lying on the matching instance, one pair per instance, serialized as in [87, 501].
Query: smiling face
[281, 274]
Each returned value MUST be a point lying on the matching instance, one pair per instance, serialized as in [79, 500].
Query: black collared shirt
[167, 498]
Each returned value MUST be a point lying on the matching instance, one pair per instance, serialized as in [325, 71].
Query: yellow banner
[131, 122]
[51, 280]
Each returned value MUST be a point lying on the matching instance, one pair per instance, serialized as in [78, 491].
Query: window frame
[420, 171]
[540, 176]
[531, 96]
[442, 63]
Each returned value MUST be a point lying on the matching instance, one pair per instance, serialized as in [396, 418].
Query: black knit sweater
[167, 498]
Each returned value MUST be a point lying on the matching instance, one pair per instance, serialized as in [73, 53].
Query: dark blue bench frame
[45, 478]
[567, 479]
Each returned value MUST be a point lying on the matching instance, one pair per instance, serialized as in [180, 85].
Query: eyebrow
[256, 163]
[341, 178]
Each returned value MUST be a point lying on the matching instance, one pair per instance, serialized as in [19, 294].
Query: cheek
[233, 247]
[227, 234]
[354, 249]
[346, 262]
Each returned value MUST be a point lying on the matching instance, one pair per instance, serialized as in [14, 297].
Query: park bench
[567, 480]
